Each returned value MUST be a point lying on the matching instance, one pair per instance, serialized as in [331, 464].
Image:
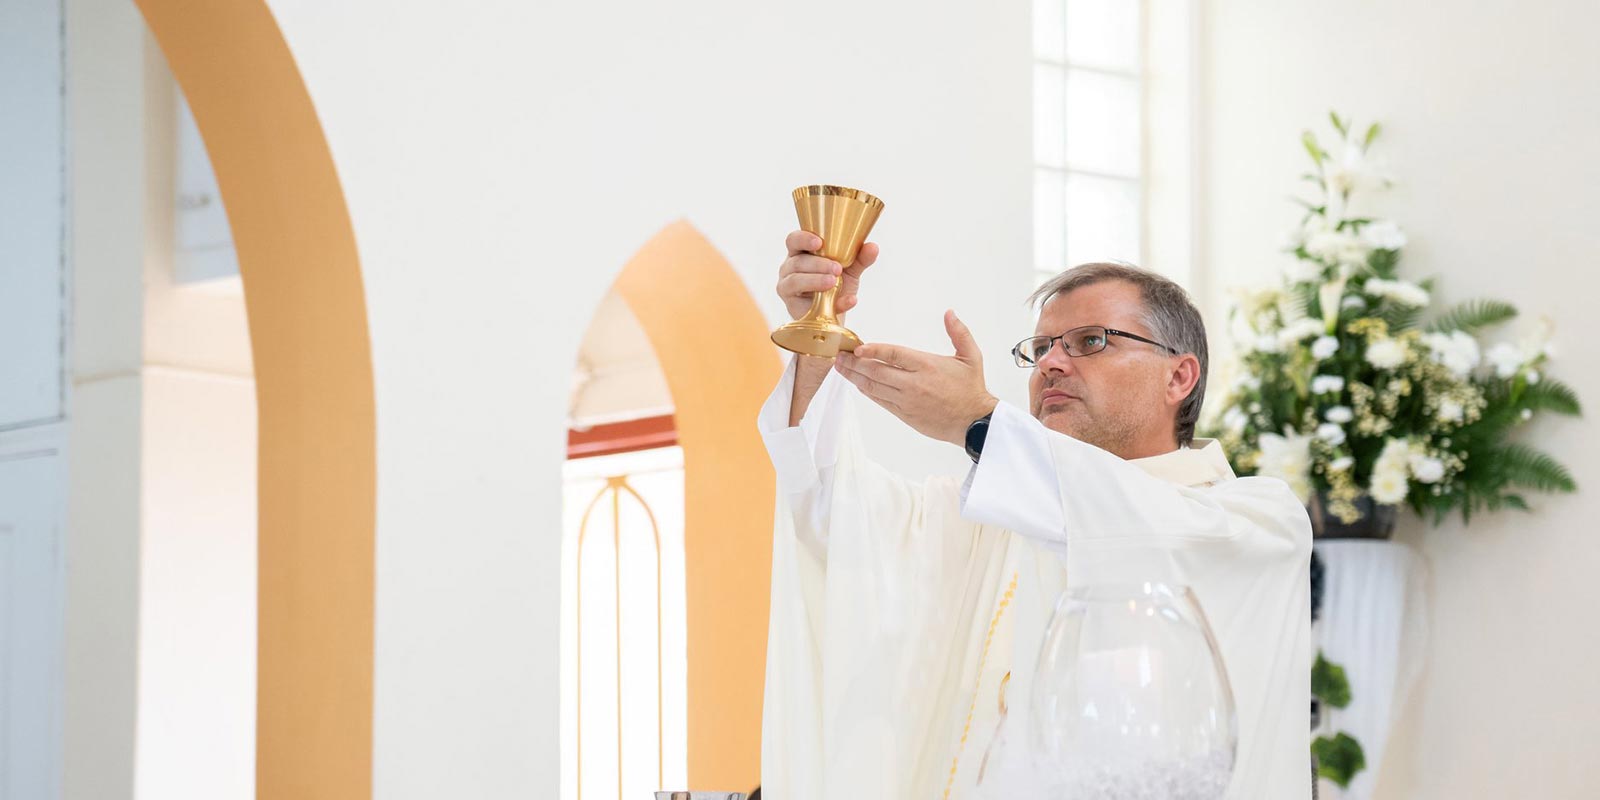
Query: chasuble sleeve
[862, 565]
[1059, 490]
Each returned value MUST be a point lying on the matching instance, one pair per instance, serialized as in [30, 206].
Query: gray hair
[1169, 315]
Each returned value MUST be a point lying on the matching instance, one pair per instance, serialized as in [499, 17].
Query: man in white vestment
[906, 615]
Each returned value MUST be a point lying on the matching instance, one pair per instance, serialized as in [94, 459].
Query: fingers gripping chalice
[842, 218]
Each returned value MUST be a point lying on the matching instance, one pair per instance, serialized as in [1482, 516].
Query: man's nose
[1056, 361]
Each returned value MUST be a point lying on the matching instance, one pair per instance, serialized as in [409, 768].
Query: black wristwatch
[976, 433]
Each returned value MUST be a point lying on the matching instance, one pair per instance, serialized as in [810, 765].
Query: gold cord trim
[983, 659]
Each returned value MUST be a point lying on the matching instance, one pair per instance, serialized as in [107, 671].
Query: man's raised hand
[938, 396]
[804, 273]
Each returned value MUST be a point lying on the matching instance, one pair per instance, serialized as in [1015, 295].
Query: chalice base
[815, 338]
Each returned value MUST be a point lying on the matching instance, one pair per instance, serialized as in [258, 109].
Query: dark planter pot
[1377, 521]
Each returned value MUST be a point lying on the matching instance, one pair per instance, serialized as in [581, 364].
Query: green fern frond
[1524, 466]
[1399, 317]
[1473, 316]
[1384, 263]
[1552, 395]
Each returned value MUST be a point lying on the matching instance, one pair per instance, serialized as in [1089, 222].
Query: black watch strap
[976, 433]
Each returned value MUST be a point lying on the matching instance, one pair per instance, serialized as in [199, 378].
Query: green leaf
[1552, 395]
[1328, 683]
[1310, 141]
[1515, 501]
[1339, 758]
[1472, 316]
[1399, 317]
[1524, 466]
[1339, 124]
[1372, 133]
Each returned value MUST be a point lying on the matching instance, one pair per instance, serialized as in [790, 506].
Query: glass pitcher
[1130, 698]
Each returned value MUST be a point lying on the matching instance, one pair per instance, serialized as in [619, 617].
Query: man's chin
[1059, 418]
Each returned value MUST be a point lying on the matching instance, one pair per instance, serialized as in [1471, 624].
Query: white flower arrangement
[1342, 395]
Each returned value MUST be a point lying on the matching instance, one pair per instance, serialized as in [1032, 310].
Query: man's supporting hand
[803, 274]
[938, 396]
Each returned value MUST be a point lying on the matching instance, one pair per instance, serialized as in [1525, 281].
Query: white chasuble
[905, 613]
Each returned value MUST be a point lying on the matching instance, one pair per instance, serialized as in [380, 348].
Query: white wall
[502, 161]
[105, 95]
[1490, 112]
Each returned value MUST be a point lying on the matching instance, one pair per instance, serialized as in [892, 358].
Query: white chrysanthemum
[1298, 330]
[1456, 350]
[1388, 487]
[1338, 414]
[1533, 377]
[1338, 247]
[1451, 411]
[1383, 235]
[1353, 301]
[1506, 359]
[1426, 468]
[1389, 472]
[1402, 292]
[1341, 463]
[1267, 343]
[1324, 347]
[1332, 433]
[1327, 384]
[1386, 354]
[1287, 458]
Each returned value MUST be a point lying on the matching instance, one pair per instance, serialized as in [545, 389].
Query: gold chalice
[842, 217]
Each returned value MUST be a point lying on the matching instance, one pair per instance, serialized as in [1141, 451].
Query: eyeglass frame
[1016, 350]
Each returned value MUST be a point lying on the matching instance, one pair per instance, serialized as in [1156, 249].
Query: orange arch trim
[713, 346]
[314, 393]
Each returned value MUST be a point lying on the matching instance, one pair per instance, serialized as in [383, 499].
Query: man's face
[1116, 399]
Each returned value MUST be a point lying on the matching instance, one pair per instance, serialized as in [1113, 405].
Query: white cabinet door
[32, 518]
[32, 213]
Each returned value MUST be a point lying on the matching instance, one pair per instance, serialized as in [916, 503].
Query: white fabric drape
[1374, 623]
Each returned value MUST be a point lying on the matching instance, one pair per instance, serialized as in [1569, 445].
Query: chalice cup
[843, 218]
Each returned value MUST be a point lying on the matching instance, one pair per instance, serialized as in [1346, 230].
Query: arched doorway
[711, 344]
[314, 392]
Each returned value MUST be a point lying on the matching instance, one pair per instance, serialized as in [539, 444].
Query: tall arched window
[624, 638]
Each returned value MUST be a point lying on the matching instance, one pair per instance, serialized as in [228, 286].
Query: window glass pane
[1049, 189]
[1049, 120]
[1049, 29]
[1102, 216]
[1102, 122]
[1103, 33]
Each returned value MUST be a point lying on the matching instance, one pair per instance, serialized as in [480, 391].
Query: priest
[906, 616]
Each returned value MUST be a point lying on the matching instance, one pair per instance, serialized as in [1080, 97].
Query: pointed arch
[314, 392]
[713, 344]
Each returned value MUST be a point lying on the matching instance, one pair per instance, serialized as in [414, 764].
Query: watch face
[976, 433]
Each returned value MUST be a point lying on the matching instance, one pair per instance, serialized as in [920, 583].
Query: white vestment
[900, 608]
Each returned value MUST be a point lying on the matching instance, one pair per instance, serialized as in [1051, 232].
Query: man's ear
[1181, 380]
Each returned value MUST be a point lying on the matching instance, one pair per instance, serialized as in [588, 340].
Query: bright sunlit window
[625, 676]
[1087, 133]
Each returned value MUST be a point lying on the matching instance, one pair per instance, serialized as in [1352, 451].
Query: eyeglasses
[1078, 342]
